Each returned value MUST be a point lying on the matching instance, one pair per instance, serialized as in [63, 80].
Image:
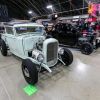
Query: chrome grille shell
[50, 49]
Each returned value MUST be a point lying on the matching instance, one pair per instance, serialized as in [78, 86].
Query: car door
[11, 39]
[67, 37]
[56, 32]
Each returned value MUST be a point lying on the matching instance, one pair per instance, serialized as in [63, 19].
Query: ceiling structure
[39, 7]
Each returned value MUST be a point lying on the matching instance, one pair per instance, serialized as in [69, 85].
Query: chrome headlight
[36, 54]
[61, 51]
[40, 57]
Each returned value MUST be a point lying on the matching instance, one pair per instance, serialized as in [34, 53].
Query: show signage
[94, 9]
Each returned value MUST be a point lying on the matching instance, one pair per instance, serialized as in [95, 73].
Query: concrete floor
[79, 81]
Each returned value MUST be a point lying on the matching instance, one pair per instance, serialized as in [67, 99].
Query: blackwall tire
[3, 48]
[97, 43]
[0, 42]
[67, 57]
[86, 48]
[29, 68]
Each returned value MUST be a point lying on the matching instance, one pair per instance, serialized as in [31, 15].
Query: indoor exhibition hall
[49, 49]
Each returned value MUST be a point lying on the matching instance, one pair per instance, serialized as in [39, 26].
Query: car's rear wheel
[86, 48]
[67, 57]
[3, 48]
[97, 43]
[30, 72]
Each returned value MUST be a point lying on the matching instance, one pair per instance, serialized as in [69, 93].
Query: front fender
[38, 63]
[44, 65]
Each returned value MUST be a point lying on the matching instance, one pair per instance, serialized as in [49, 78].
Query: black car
[73, 36]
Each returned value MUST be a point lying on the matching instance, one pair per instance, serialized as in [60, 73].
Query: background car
[75, 37]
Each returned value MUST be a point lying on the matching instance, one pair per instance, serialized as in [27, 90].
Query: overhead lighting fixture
[30, 12]
[50, 6]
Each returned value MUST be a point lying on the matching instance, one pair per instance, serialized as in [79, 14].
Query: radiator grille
[52, 49]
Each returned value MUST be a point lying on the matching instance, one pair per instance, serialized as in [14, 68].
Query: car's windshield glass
[61, 27]
[21, 30]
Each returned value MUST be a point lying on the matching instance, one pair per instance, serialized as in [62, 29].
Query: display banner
[96, 10]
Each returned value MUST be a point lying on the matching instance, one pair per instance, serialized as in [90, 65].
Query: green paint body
[21, 44]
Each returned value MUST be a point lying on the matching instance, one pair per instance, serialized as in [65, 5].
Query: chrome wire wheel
[86, 48]
[29, 71]
[26, 73]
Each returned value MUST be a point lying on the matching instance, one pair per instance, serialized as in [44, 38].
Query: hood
[29, 42]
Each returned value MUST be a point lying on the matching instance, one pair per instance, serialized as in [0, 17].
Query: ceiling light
[30, 12]
[50, 6]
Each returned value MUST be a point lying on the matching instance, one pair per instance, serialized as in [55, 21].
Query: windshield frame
[28, 33]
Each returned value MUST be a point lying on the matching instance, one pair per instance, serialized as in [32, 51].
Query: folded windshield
[20, 30]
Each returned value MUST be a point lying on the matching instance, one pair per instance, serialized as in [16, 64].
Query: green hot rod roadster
[26, 40]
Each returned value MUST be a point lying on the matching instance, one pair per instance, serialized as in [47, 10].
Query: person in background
[95, 26]
[97, 30]
[90, 29]
[53, 28]
[86, 27]
[46, 28]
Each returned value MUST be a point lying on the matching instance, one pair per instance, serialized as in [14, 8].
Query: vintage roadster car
[1, 32]
[71, 36]
[26, 40]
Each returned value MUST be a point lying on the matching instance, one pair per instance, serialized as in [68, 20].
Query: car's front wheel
[30, 72]
[86, 48]
[67, 57]
[3, 48]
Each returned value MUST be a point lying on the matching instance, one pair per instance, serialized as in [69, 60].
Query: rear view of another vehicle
[75, 37]
[88, 42]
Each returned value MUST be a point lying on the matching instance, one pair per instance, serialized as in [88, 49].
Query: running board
[68, 46]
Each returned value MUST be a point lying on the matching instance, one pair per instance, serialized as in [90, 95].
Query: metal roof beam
[87, 1]
[34, 6]
[61, 6]
[67, 11]
[74, 6]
